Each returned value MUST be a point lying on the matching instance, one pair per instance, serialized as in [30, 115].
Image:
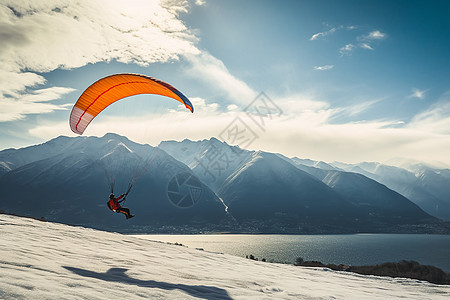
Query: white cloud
[36, 102]
[363, 106]
[73, 34]
[416, 93]
[41, 36]
[14, 83]
[200, 2]
[366, 46]
[323, 68]
[210, 69]
[313, 136]
[362, 41]
[175, 6]
[232, 107]
[375, 35]
[297, 104]
[436, 119]
[347, 50]
[322, 34]
[366, 40]
[330, 31]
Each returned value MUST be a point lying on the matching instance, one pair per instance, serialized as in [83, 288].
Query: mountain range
[68, 180]
[270, 189]
[210, 186]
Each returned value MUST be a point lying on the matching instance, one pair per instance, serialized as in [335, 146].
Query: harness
[110, 202]
[109, 205]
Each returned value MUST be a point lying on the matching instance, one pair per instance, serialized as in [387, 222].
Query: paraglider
[114, 205]
[113, 88]
[108, 90]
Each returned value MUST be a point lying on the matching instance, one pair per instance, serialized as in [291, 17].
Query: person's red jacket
[113, 203]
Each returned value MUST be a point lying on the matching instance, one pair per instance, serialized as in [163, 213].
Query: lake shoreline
[347, 249]
[403, 269]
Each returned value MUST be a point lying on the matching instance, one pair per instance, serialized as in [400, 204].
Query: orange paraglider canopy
[115, 87]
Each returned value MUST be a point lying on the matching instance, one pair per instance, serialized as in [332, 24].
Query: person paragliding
[114, 205]
[105, 92]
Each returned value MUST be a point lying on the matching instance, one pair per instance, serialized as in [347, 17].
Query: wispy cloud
[416, 93]
[375, 35]
[366, 40]
[436, 119]
[363, 41]
[212, 70]
[425, 138]
[323, 68]
[200, 2]
[347, 50]
[366, 46]
[35, 102]
[320, 35]
[358, 108]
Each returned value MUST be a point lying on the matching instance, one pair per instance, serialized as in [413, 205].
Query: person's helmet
[111, 196]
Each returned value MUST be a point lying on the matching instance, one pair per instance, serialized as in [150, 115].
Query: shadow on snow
[118, 275]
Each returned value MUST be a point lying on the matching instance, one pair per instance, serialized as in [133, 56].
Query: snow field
[42, 260]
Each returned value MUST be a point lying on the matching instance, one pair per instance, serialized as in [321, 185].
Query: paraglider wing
[115, 87]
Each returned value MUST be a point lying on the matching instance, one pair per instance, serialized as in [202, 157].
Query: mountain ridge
[237, 188]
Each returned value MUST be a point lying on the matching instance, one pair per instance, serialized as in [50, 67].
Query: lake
[352, 249]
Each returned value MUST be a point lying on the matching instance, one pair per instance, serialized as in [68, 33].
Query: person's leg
[125, 211]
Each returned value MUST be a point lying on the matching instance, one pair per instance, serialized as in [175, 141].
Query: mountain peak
[114, 136]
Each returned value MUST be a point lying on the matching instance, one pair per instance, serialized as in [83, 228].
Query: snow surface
[42, 260]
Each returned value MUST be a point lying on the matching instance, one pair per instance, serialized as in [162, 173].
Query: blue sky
[351, 80]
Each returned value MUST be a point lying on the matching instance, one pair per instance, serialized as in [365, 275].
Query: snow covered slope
[40, 260]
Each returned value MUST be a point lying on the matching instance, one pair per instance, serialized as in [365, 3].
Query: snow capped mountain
[63, 146]
[267, 188]
[316, 164]
[364, 203]
[211, 160]
[375, 199]
[428, 188]
[185, 151]
[202, 151]
[72, 185]
[68, 179]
